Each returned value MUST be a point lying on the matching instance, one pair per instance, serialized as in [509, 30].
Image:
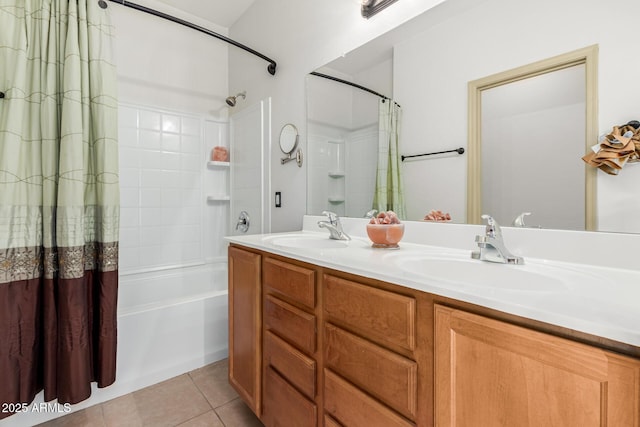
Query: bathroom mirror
[289, 143]
[426, 65]
[288, 138]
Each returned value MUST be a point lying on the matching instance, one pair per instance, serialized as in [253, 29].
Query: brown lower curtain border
[63, 262]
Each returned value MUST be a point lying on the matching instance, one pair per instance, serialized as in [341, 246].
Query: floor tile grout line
[220, 418]
[211, 408]
[195, 416]
[202, 392]
[104, 422]
[199, 390]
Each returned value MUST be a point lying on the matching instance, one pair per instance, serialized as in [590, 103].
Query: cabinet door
[490, 373]
[245, 350]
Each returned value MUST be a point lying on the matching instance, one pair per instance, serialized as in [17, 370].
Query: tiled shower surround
[161, 170]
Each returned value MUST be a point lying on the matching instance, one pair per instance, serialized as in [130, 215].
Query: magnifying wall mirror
[289, 143]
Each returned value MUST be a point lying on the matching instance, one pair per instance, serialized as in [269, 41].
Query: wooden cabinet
[310, 346]
[245, 326]
[365, 329]
[491, 373]
[290, 343]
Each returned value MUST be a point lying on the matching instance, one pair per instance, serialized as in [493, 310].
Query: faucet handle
[333, 218]
[519, 220]
[493, 228]
[372, 213]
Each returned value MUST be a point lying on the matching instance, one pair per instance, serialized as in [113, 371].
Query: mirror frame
[587, 56]
[295, 143]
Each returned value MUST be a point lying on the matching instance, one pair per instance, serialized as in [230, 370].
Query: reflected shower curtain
[59, 200]
[389, 191]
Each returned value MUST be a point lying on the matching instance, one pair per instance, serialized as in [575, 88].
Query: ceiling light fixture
[371, 7]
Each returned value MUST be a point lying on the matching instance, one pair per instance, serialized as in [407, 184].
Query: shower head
[231, 101]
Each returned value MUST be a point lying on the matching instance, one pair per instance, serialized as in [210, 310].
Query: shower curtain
[59, 201]
[389, 191]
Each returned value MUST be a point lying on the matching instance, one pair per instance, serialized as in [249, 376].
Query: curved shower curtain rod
[339, 80]
[271, 68]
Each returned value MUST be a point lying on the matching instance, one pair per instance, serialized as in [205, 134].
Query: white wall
[167, 65]
[301, 35]
[498, 35]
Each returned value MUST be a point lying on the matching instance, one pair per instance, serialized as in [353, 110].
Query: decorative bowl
[385, 236]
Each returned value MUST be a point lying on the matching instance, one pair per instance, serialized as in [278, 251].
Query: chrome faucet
[334, 226]
[492, 246]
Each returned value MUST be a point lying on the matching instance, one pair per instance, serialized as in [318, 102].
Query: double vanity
[328, 332]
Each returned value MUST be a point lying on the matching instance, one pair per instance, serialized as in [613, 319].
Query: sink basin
[530, 277]
[308, 241]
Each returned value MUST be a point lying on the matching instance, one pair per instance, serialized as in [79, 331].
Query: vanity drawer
[330, 422]
[385, 317]
[353, 408]
[284, 406]
[291, 323]
[293, 282]
[299, 369]
[385, 375]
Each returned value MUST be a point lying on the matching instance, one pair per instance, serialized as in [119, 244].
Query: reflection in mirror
[534, 121]
[355, 131]
[427, 63]
[342, 144]
[521, 139]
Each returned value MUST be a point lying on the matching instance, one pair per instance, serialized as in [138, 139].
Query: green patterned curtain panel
[389, 194]
[59, 200]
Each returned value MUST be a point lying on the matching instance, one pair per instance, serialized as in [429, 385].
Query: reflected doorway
[528, 129]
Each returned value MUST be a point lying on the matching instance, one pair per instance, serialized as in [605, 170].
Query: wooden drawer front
[385, 317]
[330, 422]
[291, 323]
[297, 368]
[381, 373]
[284, 406]
[353, 408]
[290, 280]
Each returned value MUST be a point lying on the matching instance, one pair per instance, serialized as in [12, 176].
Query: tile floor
[200, 398]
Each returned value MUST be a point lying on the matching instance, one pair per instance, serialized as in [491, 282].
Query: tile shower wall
[161, 172]
[329, 148]
[169, 233]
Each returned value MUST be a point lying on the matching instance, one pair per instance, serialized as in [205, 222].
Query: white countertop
[594, 298]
